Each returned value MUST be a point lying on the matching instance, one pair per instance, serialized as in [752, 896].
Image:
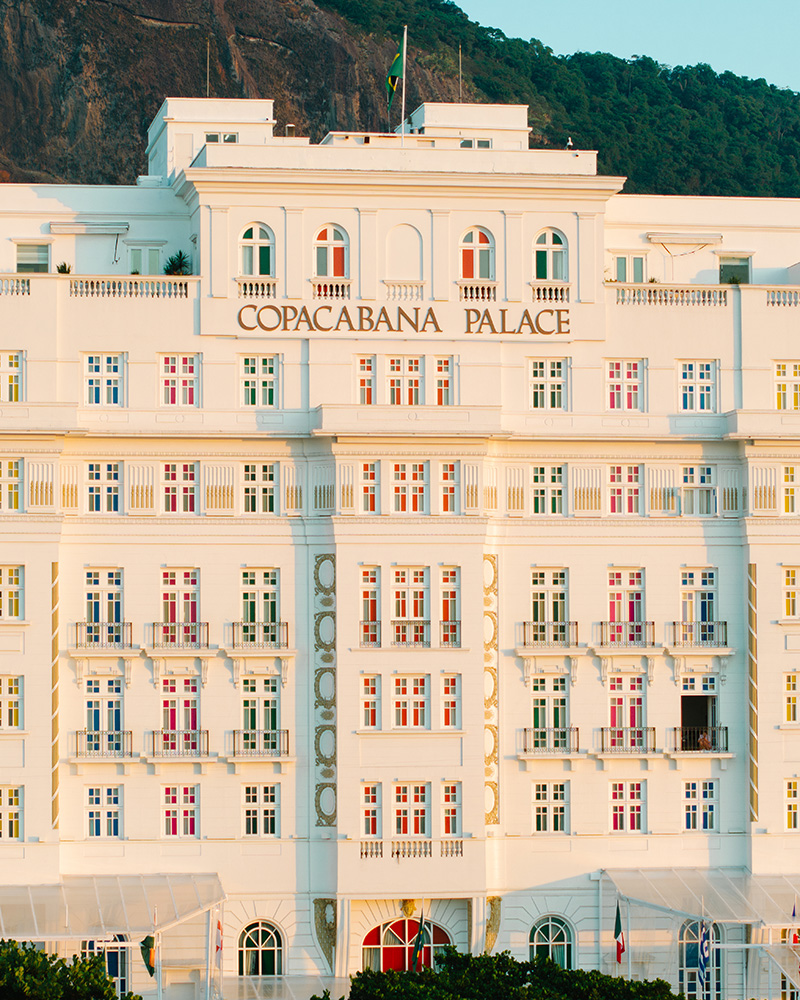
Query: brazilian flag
[148, 949]
[395, 74]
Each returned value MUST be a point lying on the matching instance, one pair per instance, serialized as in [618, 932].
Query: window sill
[14, 732]
[410, 731]
[788, 622]
[15, 621]
[789, 726]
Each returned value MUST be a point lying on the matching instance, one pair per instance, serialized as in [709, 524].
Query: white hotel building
[434, 546]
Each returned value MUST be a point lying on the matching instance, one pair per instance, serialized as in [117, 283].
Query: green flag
[395, 74]
[148, 949]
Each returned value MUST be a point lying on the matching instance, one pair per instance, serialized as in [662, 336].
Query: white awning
[98, 906]
[725, 895]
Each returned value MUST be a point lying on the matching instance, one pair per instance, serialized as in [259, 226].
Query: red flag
[619, 937]
[218, 952]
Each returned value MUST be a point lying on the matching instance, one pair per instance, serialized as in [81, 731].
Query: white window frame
[261, 488]
[370, 487]
[104, 487]
[699, 490]
[701, 806]
[38, 254]
[250, 262]
[481, 253]
[179, 381]
[104, 379]
[11, 703]
[548, 490]
[411, 702]
[697, 386]
[411, 805]
[12, 380]
[787, 385]
[405, 380]
[445, 380]
[12, 593]
[625, 385]
[11, 485]
[371, 810]
[145, 258]
[626, 261]
[628, 805]
[180, 805]
[790, 697]
[625, 490]
[366, 366]
[551, 246]
[550, 807]
[12, 806]
[259, 381]
[451, 809]
[548, 384]
[792, 794]
[451, 701]
[326, 241]
[104, 812]
[370, 717]
[261, 811]
[180, 481]
[410, 487]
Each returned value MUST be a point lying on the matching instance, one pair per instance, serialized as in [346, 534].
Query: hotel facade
[431, 549]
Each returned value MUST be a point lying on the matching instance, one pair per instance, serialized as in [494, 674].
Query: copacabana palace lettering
[365, 319]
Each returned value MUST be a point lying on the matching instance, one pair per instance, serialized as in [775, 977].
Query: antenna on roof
[570, 143]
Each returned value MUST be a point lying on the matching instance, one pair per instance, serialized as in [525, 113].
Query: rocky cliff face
[80, 80]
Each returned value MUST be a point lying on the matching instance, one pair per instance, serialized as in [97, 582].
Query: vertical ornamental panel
[325, 689]
[490, 691]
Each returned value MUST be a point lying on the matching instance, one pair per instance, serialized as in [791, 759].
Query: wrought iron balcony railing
[699, 633]
[700, 739]
[370, 634]
[112, 743]
[261, 743]
[180, 635]
[450, 634]
[641, 739]
[550, 741]
[180, 743]
[627, 633]
[103, 635]
[411, 632]
[549, 633]
[260, 635]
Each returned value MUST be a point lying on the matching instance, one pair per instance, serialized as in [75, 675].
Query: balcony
[404, 291]
[103, 635]
[550, 741]
[414, 632]
[336, 289]
[412, 848]
[538, 634]
[180, 743]
[180, 635]
[702, 634]
[700, 739]
[371, 848]
[260, 635]
[129, 287]
[370, 634]
[623, 740]
[257, 288]
[93, 743]
[670, 295]
[550, 291]
[477, 291]
[261, 743]
[627, 633]
[450, 634]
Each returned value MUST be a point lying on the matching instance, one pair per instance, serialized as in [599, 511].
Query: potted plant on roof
[178, 263]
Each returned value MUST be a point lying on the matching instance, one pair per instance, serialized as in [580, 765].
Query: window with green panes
[257, 251]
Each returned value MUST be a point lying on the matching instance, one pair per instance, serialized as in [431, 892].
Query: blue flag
[417, 950]
[703, 953]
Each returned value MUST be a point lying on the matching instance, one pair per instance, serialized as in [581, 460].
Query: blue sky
[755, 39]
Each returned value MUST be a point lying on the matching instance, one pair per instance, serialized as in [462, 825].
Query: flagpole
[157, 944]
[403, 111]
[208, 954]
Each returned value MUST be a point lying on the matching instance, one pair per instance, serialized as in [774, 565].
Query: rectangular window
[370, 606]
[261, 715]
[259, 381]
[629, 268]
[790, 605]
[10, 813]
[366, 380]
[103, 486]
[451, 606]
[371, 810]
[548, 384]
[180, 597]
[10, 484]
[700, 805]
[791, 804]
[625, 605]
[410, 702]
[734, 270]
[698, 386]
[449, 487]
[626, 713]
[180, 380]
[411, 620]
[104, 811]
[547, 489]
[549, 607]
[181, 810]
[371, 702]
[790, 697]
[787, 385]
[11, 592]
[33, 258]
[11, 388]
[179, 487]
[624, 489]
[261, 488]
[145, 260]
[406, 381]
[451, 701]
[180, 711]
[261, 810]
[409, 487]
[102, 379]
[698, 596]
[104, 717]
[550, 807]
[451, 809]
[628, 806]
[11, 703]
[791, 489]
[625, 385]
[261, 607]
[371, 487]
[411, 805]
[444, 382]
[699, 490]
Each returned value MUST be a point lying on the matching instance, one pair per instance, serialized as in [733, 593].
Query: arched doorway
[391, 945]
[688, 961]
[260, 950]
[551, 937]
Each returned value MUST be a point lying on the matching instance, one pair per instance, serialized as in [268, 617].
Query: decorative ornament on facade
[325, 928]
[325, 689]
[494, 907]
[491, 712]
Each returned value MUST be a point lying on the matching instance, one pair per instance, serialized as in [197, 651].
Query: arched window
[550, 256]
[257, 251]
[260, 950]
[391, 946]
[688, 961]
[477, 254]
[116, 959]
[330, 253]
[551, 937]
